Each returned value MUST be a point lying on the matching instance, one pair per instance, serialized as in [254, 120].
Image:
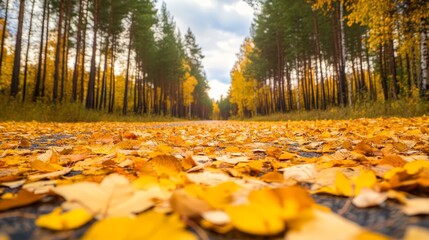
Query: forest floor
[330, 179]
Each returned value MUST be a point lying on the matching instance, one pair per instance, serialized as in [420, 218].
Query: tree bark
[91, 83]
[24, 89]
[36, 92]
[424, 60]
[58, 53]
[78, 53]
[3, 35]
[14, 86]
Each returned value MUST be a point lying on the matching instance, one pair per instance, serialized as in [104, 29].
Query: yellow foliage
[56, 220]
[149, 225]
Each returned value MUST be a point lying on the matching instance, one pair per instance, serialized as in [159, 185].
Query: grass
[407, 108]
[66, 112]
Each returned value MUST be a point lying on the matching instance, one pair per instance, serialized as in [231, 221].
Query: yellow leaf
[343, 185]
[56, 220]
[145, 182]
[371, 236]
[220, 195]
[366, 179]
[110, 228]
[273, 177]
[414, 232]
[44, 166]
[165, 165]
[286, 156]
[326, 225]
[148, 226]
[415, 166]
[255, 219]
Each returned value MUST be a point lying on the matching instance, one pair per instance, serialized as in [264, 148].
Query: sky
[220, 27]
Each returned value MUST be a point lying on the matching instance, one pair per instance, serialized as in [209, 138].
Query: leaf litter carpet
[357, 179]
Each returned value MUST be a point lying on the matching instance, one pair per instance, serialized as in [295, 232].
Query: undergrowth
[66, 112]
[406, 108]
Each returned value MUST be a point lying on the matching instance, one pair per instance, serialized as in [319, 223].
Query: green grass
[406, 108]
[66, 112]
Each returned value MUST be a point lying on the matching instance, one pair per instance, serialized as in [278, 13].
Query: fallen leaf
[112, 197]
[273, 177]
[166, 165]
[14, 184]
[286, 156]
[301, 173]
[325, 225]
[56, 220]
[23, 198]
[368, 198]
[148, 226]
[216, 217]
[416, 206]
[45, 167]
[415, 232]
[255, 219]
[59, 173]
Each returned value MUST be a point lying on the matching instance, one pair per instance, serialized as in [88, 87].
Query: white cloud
[220, 27]
[217, 89]
[240, 7]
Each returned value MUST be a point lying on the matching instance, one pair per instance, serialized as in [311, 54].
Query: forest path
[253, 155]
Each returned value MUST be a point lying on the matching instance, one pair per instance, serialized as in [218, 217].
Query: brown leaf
[23, 198]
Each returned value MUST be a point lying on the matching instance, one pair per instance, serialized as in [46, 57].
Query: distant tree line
[110, 55]
[316, 54]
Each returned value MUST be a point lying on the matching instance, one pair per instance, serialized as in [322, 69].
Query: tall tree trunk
[318, 68]
[78, 53]
[395, 86]
[58, 53]
[45, 61]
[112, 82]
[36, 92]
[127, 72]
[383, 73]
[103, 98]
[424, 60]
[14, 86]
[91, 83]
[82, 72]
[24, 89]
[343, 79]
[65, 48]
[3, 35]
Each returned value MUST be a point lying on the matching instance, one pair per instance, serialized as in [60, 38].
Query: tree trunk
[125, 106]
[103, 98]
[343, 79]
[77, 54]
[383, 74]
[65, 49]
[36, 92]
[3, 35]
[45, 61]
[24, 89]
[91, 83]
[424, 60]
[58, 53]
[395, 87]
[14, 86]
[82, 72]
